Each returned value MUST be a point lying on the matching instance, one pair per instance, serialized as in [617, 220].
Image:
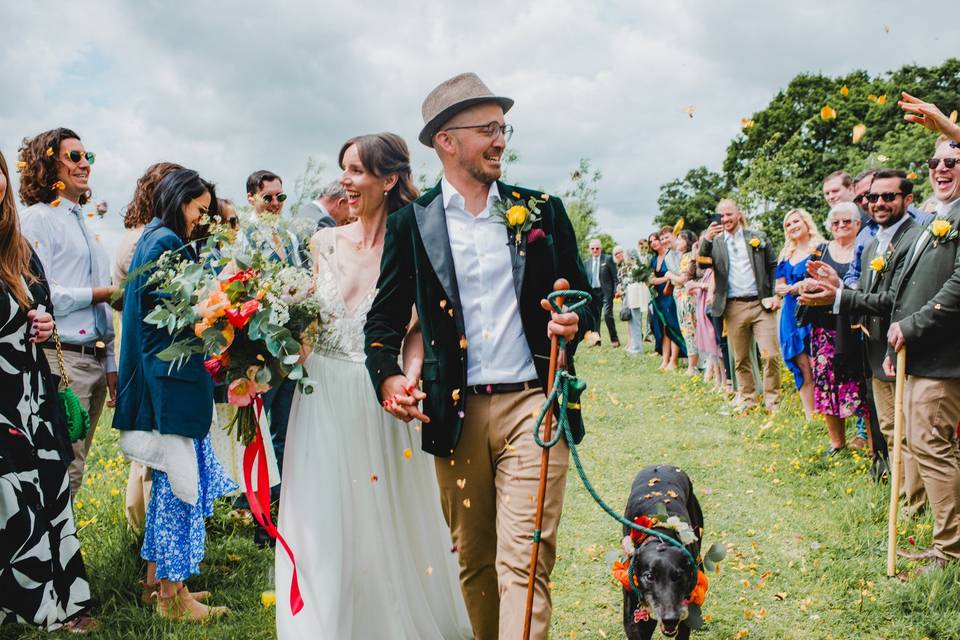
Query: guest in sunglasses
[266, 231]
[55, 185]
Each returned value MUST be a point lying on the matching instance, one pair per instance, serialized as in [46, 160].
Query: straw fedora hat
[452, 96]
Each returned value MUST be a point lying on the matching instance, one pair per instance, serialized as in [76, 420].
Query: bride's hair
[384, 154]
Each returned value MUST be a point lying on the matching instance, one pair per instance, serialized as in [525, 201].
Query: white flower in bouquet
[293, 284]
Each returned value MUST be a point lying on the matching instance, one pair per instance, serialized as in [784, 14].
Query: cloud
[228, 88]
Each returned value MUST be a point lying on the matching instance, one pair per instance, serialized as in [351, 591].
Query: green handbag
[77, 417]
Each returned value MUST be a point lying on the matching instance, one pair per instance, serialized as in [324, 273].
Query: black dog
[664, 575]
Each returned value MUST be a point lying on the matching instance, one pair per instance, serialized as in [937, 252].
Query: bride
[359, 504]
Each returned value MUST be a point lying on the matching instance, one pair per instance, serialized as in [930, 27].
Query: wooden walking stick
[896, 463]
[557, 359]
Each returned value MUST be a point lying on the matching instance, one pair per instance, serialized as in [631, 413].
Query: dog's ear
[628, 547]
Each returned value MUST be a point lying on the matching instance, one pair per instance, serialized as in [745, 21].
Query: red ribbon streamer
[259, 500]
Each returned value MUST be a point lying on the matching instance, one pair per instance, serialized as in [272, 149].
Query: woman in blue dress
[164, 412]
[663, 309]
[802, 239]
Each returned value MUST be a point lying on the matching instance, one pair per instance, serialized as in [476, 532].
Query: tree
[693, 198]
[581, 203]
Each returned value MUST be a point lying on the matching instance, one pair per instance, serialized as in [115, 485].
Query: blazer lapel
[432, 222]
[518, 256]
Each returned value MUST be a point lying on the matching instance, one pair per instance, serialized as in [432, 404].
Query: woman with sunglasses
[44, 582]
[839, 383]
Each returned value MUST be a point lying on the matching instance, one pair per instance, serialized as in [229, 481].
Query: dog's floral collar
[684, 531]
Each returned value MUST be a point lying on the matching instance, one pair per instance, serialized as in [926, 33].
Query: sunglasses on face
[75, 156]
[491, 129]
[842, 222]
[860, 199]
[888, 196]
[281, 197]
[949, 163]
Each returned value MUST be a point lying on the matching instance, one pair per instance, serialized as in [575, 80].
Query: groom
[479, 295]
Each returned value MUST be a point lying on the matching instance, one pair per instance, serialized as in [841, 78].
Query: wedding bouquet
[251, 321]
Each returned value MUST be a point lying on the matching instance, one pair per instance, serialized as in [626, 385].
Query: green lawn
[806, 538]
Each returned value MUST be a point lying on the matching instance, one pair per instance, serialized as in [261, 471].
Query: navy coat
[152, 395]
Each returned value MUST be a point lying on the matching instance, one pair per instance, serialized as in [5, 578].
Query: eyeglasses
[491, 129]
[75, 156]
[841, 222]
[949, 163]
[888, 196]
[268, 198]
[860, 198]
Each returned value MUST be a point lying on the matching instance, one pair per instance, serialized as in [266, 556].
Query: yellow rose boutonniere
[942, 231]
[878, 264]
[518, 216]
[756, 243]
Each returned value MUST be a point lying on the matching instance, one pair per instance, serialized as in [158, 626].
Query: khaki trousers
[88, 379]
[911, 486]
[488, 491]
[932, 408]
[748, 322]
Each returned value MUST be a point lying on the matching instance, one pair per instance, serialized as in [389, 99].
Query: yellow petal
[463, 342]
[872, 98]
[881, 99]
[455, 394]
[407, 453]
[268, 598]
[49, 151]
[690, 110]
[844, 91]
[21, 165]
[953, 116]
[827, 113]
[461, 482]
[858, 132]
[677, 228]
[55, 202]
[466, 502]
[912, 175]
[515, 194]
[746, 123]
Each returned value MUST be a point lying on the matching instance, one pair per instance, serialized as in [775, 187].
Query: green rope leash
[566, 391]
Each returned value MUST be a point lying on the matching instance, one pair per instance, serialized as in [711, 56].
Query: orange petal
[827, 113]
[858, 132]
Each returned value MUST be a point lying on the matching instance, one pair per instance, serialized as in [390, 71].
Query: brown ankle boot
[181, 606]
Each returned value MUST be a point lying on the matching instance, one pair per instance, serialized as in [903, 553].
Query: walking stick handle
[895, 463]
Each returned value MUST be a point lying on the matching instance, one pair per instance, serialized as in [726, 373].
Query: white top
[65, 247]
[497, 350]
[740, 279]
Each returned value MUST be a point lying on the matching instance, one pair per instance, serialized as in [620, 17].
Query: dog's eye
[647, 576]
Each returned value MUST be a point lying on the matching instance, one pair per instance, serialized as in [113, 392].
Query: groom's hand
[401, 398]
[562, 325]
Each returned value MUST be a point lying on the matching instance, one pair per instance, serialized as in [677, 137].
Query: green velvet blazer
[417, 269]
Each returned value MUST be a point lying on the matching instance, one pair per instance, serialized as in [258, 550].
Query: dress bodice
[341, 329]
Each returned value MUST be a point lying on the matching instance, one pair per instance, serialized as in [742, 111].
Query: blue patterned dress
[175, 532]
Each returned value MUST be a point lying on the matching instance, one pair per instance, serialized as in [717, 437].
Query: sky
[230, 87]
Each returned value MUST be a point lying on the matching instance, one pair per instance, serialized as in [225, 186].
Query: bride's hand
[401, 398]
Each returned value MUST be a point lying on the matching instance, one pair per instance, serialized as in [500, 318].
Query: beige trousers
[88, 379]
[932, 408]
[911, 486]
[488, 491]
[748, 322]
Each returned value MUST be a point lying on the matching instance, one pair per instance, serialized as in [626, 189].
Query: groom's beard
[483, 176]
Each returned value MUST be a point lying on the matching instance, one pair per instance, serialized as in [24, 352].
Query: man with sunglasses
[55, 185]
[923, 304]
[266, 230]
[479, 287]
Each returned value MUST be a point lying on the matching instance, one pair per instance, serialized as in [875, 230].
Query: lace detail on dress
[341, 331]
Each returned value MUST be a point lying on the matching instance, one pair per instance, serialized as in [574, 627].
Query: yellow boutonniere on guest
[878, 264]
[939, 228]
[755, 243]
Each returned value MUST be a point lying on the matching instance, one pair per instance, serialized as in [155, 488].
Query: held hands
[401, 398]
[561, 325]
[41, 327]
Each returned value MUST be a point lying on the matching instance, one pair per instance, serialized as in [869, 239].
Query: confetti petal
[844, 91]
[408, 453]
[461, 482]
[690, 111]
[953, 117]
[429, 571]
[746, 123]
[463, 342]
[455, 394]
[858, 132]
[827, 113]
[466, 502]
[373, 478]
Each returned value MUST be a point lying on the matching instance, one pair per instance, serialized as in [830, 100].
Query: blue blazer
[152, 395]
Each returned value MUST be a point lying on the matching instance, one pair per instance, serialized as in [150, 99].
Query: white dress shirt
[741, 282]
[885, 235]
[595, 271]
[65, 247]
[497, 350]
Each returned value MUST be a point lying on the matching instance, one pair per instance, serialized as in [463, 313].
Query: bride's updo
[385, 154]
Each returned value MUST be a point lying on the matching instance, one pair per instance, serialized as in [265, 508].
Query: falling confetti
[827, 113]
[858, 132]
[953, 116]
[429, 570]
[455, 394]
[844, 91]
[690, 111]
[408, 453]
[461, 483]
[463, 342]
[466, 502]
[373, 478]
[746, 123]
[912, 175]
[652, 481]
[886, 28]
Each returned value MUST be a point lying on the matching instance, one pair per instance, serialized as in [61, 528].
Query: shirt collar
[451, 195]
[737, 235]
[887, 232]
[945, 207]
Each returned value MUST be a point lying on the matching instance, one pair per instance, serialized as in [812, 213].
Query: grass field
[806, 537]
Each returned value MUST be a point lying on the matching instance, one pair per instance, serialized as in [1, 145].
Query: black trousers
[604, 303]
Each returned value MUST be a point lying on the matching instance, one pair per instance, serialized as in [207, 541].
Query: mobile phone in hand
[714, 219]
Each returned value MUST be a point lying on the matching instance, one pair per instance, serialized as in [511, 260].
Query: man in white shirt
[54, 184]
[478, 287]
[744, 265]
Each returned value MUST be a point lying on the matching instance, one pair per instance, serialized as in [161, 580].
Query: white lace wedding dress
[373, 552]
